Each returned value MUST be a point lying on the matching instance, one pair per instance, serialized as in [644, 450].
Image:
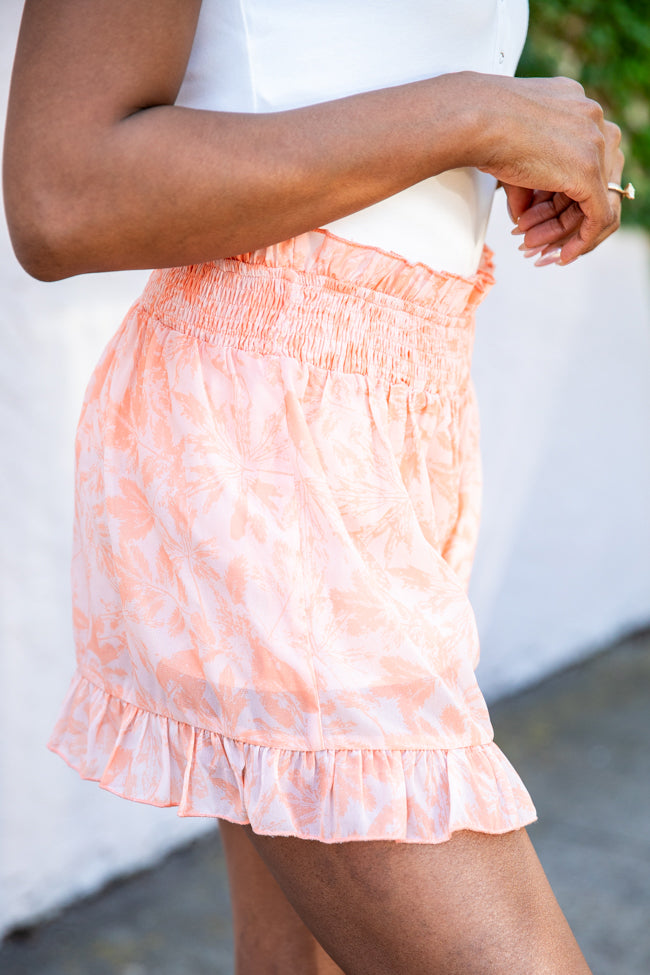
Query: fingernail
[517, 231]
[551, 258]
[531, 251]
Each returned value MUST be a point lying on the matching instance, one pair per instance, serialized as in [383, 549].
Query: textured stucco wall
[561, 368]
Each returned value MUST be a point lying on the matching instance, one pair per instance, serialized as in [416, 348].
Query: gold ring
[629, 191]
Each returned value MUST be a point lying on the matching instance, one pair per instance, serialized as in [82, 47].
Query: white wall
[561, 367]
[59, 836]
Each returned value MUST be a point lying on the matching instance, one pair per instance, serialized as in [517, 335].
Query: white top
[271, 55]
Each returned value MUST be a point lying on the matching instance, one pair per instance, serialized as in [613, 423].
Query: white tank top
[271, 55]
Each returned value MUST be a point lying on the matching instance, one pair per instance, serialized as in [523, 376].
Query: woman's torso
[272, 55]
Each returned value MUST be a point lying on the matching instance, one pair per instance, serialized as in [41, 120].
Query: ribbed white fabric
[271, 55]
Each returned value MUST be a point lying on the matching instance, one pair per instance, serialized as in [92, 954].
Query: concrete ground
[581, 742]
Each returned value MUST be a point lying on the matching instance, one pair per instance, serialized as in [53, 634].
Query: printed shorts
[277, 503]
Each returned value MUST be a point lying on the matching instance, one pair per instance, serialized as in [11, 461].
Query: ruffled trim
[333, 795]
[322, 253]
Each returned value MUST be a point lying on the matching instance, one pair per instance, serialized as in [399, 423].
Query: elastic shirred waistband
[332, 303]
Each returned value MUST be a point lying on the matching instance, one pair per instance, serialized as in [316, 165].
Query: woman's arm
[103, 172]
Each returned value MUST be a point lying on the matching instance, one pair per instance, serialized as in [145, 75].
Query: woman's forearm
[168, 185]
[103, 172]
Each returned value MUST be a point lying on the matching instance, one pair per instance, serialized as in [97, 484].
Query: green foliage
[605, 45]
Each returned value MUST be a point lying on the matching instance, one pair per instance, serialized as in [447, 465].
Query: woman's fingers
[599, 221]
[546, 254]
[549, 207]
[518, 200]
[547, 225]
[550, 222]
[565, 235]
[602, 211]
[557, 228]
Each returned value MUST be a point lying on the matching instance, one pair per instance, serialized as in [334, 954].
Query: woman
[277, 468]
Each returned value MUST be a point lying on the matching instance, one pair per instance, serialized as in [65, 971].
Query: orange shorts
[277, 503]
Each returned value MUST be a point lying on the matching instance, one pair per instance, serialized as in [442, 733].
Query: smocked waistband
[333, 303]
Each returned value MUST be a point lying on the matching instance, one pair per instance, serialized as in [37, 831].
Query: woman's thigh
[269, 935]
[476, 905]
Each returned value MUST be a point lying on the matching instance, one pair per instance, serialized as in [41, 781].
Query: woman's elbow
[40, 227]
[39, 246]
[38, 258]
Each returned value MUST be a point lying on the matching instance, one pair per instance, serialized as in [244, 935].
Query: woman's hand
[548, 221]
[557, 194]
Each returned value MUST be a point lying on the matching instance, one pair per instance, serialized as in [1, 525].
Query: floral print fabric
[277, 502]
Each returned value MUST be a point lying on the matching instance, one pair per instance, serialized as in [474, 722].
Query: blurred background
[561, 585]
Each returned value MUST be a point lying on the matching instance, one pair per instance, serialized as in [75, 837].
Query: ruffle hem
[154, 759]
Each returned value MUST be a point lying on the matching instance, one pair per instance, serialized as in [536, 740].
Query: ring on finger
[629, 190]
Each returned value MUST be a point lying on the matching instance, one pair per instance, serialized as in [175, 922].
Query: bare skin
[269, 936]
[122, 178]
[475, 905]
[103, 172]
